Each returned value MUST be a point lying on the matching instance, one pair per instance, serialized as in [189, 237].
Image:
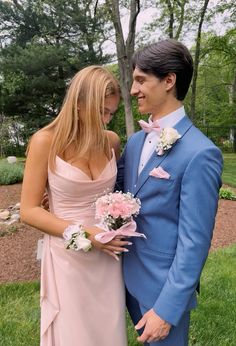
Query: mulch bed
[18, 247]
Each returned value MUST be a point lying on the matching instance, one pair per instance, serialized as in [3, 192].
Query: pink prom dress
[82, 293]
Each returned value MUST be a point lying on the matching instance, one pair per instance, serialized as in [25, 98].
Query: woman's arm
[33, 188]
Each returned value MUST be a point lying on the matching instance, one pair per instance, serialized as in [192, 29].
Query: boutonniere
[167, 138]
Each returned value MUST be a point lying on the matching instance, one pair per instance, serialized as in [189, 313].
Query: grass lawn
[19, 314]
[213, 323]
[229, 172]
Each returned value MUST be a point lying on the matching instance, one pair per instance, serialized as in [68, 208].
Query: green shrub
[227, 194]
[10, 149]
[10, 173]
[228, 146]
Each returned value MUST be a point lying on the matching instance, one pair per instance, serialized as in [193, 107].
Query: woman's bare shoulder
[114, 141]
[113, 138]
[42, 137]
[41, 140]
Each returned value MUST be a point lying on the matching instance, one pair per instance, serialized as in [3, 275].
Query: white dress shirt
[152, 138]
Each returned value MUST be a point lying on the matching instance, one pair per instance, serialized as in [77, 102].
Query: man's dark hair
[163, 57]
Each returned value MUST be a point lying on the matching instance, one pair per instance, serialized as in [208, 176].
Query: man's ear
[170, 81]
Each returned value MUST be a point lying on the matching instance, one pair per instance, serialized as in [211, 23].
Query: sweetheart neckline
[77, 168]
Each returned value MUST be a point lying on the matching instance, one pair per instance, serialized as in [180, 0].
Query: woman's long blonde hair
[79, 122]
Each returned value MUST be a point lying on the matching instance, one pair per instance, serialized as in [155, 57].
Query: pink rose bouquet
[115, 212]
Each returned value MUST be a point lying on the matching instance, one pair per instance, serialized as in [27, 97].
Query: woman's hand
[112, 248]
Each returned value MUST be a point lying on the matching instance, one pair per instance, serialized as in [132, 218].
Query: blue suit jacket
[177, 216]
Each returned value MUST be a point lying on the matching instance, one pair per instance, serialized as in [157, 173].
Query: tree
[197, 59]
[44, 43]
[170, 18]
[125, 50]
[12, 137]
[216, 81]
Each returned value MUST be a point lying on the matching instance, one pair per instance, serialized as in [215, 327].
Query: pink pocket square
[159, 172]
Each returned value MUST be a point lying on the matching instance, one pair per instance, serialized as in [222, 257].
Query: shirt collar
[171, 119]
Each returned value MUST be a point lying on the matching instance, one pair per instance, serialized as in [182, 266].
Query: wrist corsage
[76, 238]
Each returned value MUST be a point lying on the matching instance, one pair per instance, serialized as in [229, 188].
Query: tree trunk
[196, 61]
[171, 19]
[234, 92]
[233, 102]
[125, 51]
[181, 19]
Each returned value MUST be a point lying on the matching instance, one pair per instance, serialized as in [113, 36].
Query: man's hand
[155, 328]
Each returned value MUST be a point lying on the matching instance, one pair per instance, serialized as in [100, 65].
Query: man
[175, 171]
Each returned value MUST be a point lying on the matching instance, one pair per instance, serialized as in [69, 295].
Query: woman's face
[110, 107]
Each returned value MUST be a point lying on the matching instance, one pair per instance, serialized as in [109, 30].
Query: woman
[82, 293]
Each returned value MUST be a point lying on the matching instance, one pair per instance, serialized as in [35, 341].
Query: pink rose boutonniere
[115, 212]
[168, 137]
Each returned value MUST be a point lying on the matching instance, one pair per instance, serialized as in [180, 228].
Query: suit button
[135, 185]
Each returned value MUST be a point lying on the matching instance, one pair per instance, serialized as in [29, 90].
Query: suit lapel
[182, 127]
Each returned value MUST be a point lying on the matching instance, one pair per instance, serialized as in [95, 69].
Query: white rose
[170, 135]
[167, 138]
[83, 243]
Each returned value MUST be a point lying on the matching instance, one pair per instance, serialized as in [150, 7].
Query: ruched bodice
[71, 190]
[82, 294]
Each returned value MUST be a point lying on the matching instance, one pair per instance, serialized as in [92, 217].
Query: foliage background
[43, 43]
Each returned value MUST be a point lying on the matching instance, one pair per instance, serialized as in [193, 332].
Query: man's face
[150, 91]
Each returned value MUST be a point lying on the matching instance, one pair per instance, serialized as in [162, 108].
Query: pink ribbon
[127, 230]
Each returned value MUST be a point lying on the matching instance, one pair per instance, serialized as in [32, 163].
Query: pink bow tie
[149, 127]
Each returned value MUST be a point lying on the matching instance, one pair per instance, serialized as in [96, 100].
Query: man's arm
[197, 210]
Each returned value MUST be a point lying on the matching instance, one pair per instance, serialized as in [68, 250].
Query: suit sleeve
[197, 210]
